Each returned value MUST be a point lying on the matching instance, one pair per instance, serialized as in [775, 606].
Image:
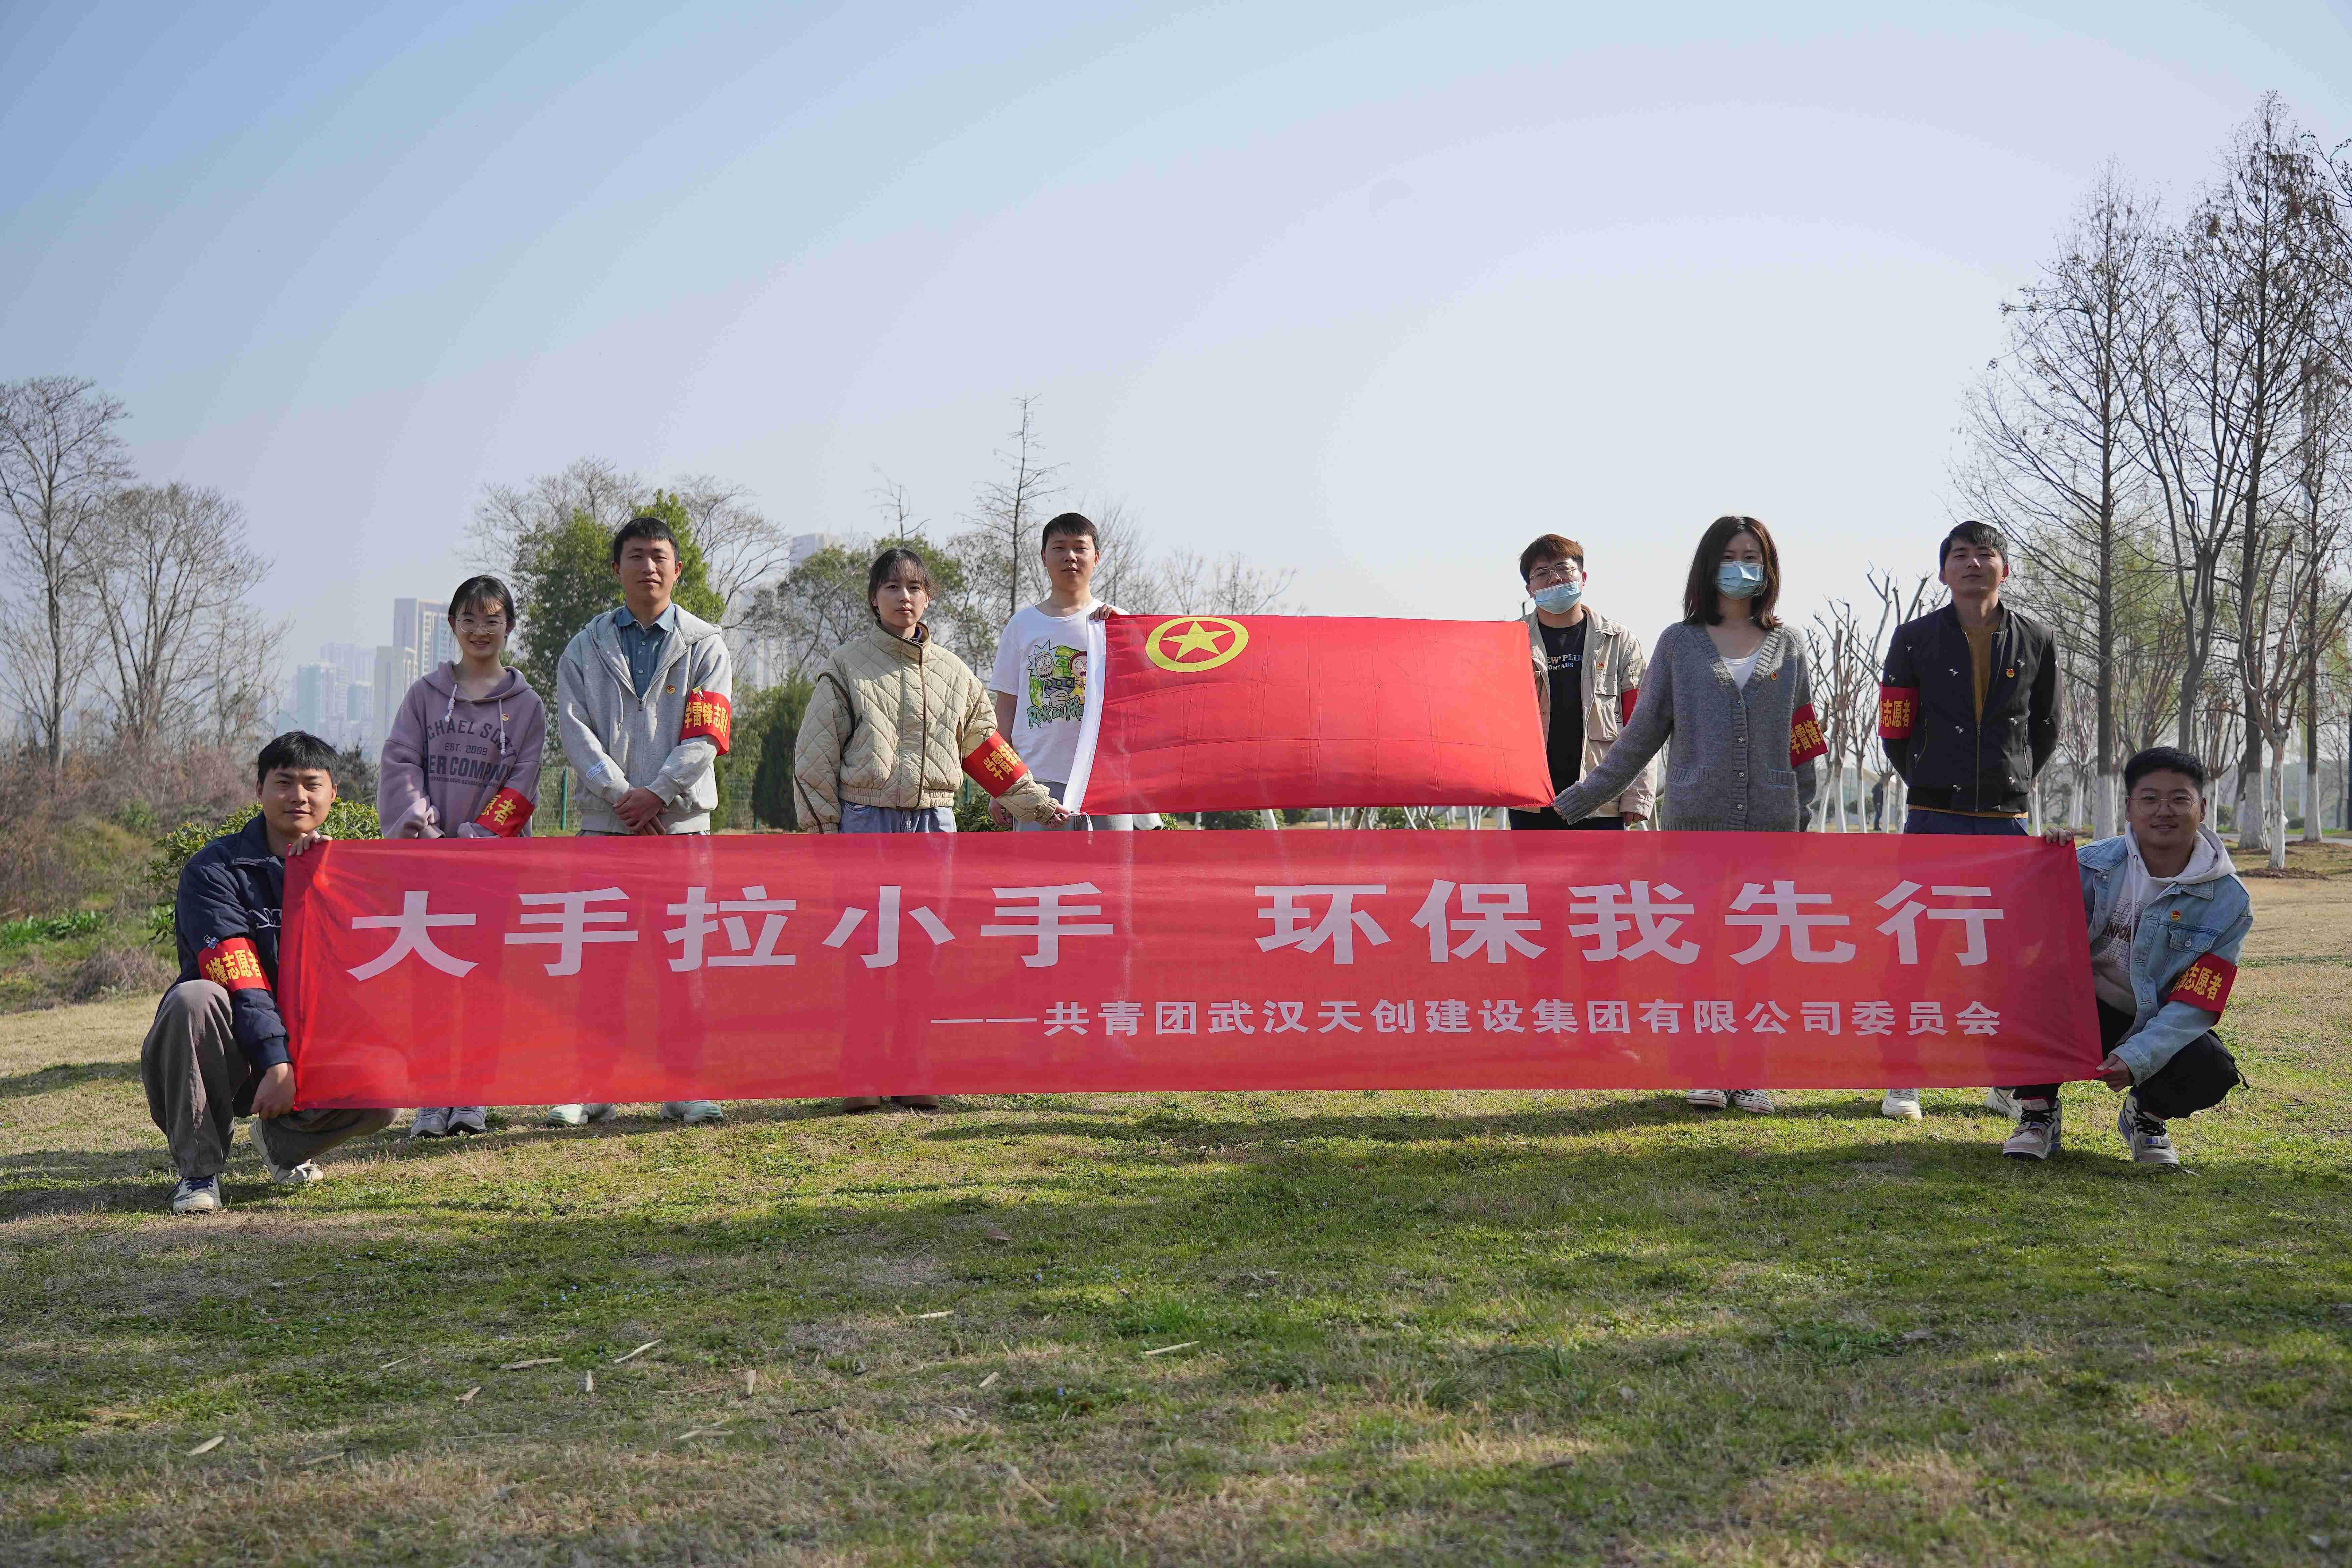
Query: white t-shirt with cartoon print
[1041, 664]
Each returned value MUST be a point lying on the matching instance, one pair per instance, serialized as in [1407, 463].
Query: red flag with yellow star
[1225, 713]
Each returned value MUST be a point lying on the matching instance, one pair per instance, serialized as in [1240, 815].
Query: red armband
[2205, 984]
[709, 717]
[1899, 711]
[508, 811]
[233, 966]
[995, 767]
[1805, 740]
[1627, 701]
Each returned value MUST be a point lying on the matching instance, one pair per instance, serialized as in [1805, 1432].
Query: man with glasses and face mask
[1587, 675]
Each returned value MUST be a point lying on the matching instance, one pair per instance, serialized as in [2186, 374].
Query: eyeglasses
[1553, 572]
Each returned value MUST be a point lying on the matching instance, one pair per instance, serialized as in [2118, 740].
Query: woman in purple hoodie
[461, 760]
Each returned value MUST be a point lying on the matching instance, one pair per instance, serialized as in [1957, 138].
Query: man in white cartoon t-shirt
[1039, 684]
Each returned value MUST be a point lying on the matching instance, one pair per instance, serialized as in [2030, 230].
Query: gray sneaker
[693, 1113]
[1900, 1105]
[200, 1195]
[580, 1115]
[432, 1121]
[2150, 1143]
[469, 1120]
[2003, 1102]
[1704, 1099]
[2039, 1130]
[1755, 1100]
[301, 1175]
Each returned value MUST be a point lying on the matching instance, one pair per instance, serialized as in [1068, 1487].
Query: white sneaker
[580, 1115]
[301, 1175]
[202, 1195]
[2040, 1129]
[469, 1120]
[1755, 1099]
[2000, 1100]
[432, 1121]
[693, 1113]
[1900, 1105]
[1706, 1099]
[2150, 1143]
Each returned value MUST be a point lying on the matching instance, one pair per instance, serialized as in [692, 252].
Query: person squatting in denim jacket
[2167, 916]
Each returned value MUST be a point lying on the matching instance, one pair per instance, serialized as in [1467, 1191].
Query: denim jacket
[2185, 922]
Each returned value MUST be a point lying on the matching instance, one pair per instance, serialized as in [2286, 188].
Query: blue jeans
[896, 819]
[1918, 819]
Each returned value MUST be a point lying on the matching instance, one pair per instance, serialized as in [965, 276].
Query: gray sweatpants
[191, 1067]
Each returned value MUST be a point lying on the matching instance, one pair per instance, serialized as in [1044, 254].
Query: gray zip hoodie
[459, 768]
[668, 741]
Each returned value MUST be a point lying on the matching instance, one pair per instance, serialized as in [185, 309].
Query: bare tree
[997, 551]
[61, 463]
[2321, 596]
[1128, 576]
[740, 547]
[1845, 661]
[1897, 602]
[508, 514]
[2053, 437]
[1230, 586]
[2251, 297]
[174, 571]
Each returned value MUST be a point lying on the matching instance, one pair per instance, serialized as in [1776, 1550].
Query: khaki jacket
[1611, 682]
[889, 724]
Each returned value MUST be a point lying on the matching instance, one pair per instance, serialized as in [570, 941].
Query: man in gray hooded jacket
[644, 702]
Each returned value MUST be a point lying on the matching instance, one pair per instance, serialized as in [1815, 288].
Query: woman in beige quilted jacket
[895, 724]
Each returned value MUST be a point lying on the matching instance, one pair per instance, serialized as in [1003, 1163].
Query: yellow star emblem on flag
[1189, 644]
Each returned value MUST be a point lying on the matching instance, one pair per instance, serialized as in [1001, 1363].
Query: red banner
[1215, 713]
[492, 972]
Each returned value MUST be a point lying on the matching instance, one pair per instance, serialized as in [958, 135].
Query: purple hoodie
[456, 768]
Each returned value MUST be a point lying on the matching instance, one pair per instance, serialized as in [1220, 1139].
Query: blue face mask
[1560, 598]
[1739, 579]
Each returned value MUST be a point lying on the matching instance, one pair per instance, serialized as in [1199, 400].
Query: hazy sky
[1373, 291]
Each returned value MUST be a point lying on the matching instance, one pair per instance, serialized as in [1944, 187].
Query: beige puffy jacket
[889, 724]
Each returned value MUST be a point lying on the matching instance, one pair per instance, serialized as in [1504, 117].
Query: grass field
[1412, 1327]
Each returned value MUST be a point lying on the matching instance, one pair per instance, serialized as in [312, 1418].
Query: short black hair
[1546, 549]
[297, 751]
[2164, 760]
[483, 590]
[1069, 522]
[1971, 532]
[644, 528]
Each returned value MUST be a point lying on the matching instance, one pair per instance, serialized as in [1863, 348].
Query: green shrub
[51, 928]
[346, 819]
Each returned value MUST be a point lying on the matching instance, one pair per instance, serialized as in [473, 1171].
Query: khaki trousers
[192, 1069]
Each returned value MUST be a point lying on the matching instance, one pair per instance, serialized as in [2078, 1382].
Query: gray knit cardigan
[1743, 759]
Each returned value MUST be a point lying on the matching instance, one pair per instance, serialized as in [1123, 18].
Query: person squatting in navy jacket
[217, 1048]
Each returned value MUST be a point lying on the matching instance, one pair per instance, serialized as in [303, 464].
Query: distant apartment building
[348, 696]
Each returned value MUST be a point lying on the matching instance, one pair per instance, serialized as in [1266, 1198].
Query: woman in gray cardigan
[1729, 696]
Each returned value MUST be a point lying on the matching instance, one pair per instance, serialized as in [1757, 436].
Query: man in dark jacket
[1967, 710]
[217, 1048]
